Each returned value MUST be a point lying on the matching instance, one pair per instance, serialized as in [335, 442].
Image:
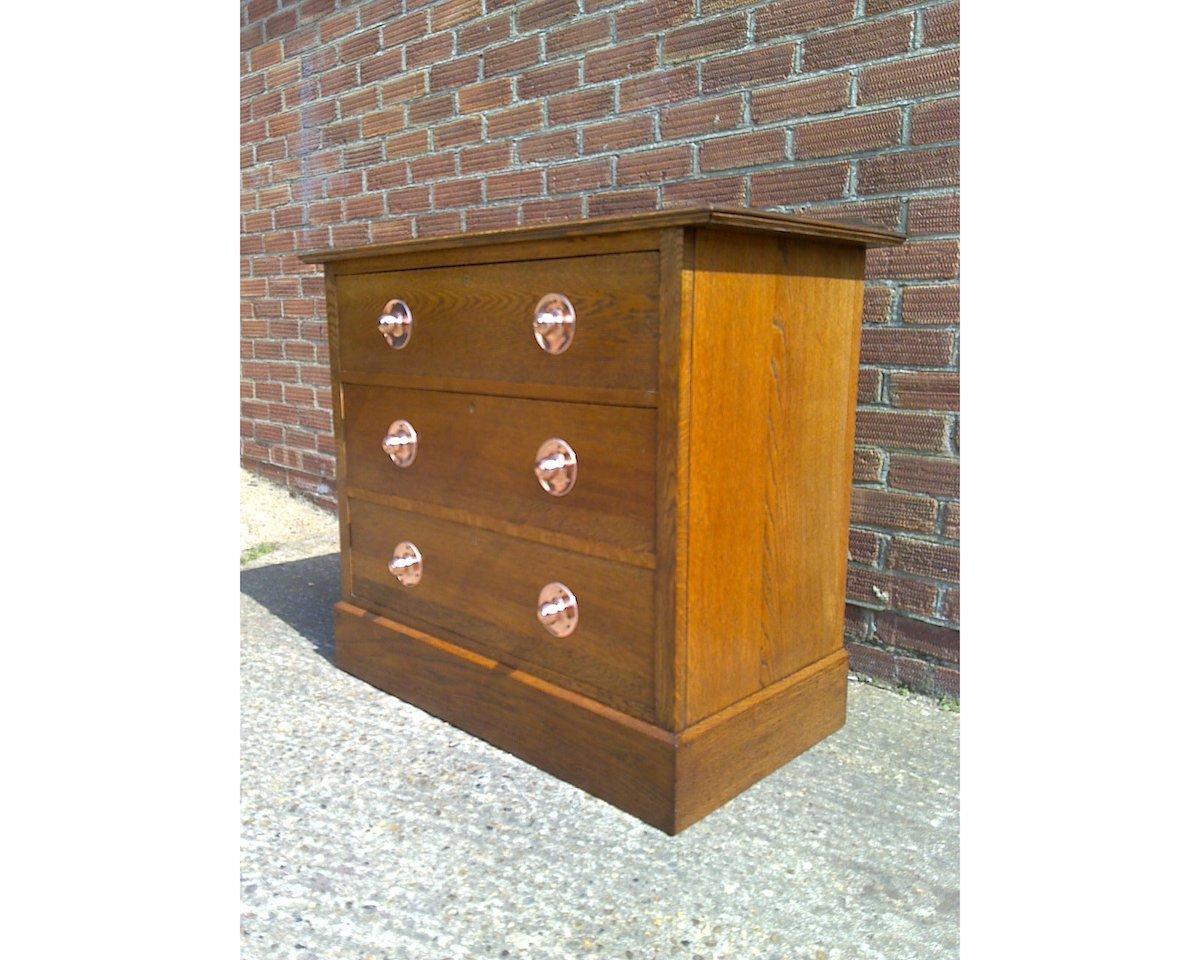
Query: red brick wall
[380, 121]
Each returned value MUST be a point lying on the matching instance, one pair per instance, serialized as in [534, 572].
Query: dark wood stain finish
[709, 394]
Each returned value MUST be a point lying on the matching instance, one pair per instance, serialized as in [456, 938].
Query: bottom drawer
[483, 588]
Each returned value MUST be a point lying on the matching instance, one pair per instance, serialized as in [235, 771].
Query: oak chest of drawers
[593, 485]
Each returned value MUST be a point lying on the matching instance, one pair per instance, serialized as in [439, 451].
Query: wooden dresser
[594, 490]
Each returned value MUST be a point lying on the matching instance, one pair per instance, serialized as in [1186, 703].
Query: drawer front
[475, 322]
[483, 588]
[476, 454]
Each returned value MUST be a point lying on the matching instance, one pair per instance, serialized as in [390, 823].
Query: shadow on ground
[301, 593]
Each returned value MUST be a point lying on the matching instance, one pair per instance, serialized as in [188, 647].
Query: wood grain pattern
[481, 589]
[624, 761]
[710, 395]
[774, 365]
[729, 218]
[720, 757]
[475, 455]
[477, 321]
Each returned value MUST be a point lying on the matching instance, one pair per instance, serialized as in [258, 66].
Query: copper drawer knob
[554, 323]
[555, 467]
[395, 323]
[405, 564]
[400, 443]
[558, 610]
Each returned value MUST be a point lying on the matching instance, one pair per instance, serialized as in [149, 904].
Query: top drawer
[475, 323]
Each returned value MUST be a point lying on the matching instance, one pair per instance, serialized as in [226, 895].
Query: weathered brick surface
[391, 119]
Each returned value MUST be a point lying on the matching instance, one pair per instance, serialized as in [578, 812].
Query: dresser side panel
[339, 429]
[773, 382]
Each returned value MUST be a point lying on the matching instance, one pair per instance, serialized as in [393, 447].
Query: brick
[361, 101]
[910, 170]
[798, 185]
[877, 304]
[618, 134]
[554, 145]
[702, 117]
[404, 29]
[338, 81]
[485, 32]
[579, 35]
[485, 158]
[392, 231]
[929, 260]
[539, 14]
[912, 77]
[426, 52]
[935, 121]
[723, 190]
[369, 13]
[920, 305]
[493, 218]
[923, 558]
[651, 16]
[487, 95]
[868, 465]
[856, 623]
[578, 177]
[452, 74]
[870, 385]
[430, 109]
[664, 163]
[382, 123]
[552, 211]
[912, 674]
[523, 183]
[951, 523]
[912, 431]
[743, 150]
[624, 60]
[883, 590]
[548, 80]
[438, 224]
[847, 135]
[656, 89]
[866, 546]
[894, 511]
[788, 18]
[940, 25]
[873, 40]
[902, 346]
[412, 143]
[933, 475]
[933, 216]
[511, 57]
[764, 65]
[691, 42]
[945, 682]
[580, 105]
[926, 390]
[871, 661]
[359, 45]
[283, 22]
[622, 201]
[458, 193]
[365, 207]
[803, 98]
[523, 118]
[450, 13]
[456, 133]
[433, 167]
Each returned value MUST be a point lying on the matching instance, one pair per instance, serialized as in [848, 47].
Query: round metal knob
[554, 323]
[405, 564]
[400, 443]
[555, 467]
[558, 610]
[395, 323]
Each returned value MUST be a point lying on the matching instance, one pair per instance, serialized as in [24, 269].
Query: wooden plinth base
[668, 780]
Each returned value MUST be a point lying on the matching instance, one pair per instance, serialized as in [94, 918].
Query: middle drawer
[475, 458]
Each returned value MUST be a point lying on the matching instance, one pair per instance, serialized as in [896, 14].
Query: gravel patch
[373, 830]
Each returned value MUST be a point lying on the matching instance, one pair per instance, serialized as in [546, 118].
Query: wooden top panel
[731, 218]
